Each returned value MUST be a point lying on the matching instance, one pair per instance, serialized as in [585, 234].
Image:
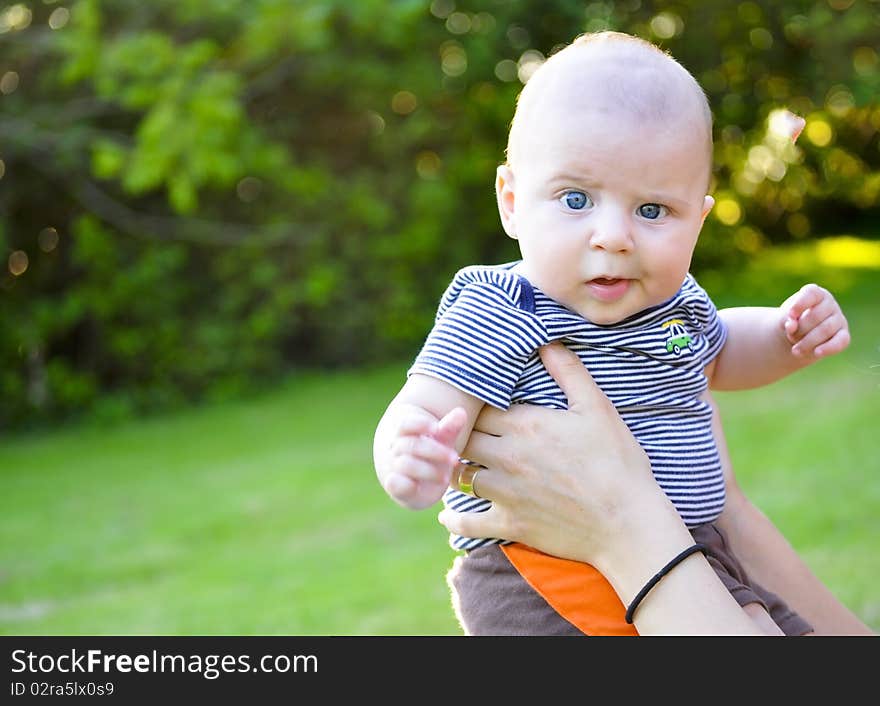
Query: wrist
[644, 535]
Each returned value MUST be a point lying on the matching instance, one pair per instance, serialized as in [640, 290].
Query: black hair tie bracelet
[659, 575]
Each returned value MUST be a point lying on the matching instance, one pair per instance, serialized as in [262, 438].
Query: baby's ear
[505, 196]
[708, 202]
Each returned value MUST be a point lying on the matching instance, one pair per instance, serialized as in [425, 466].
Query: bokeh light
[760, 38]
[428, 164]
[727, 210]
[59, 18]
[865, 60]
[249, 189]
[404, 102]
[9, 82]
[453, 59]
[48, 239]
[518, 37]
[529, 62]
[376, 122]
[839, 100]
[666, 25]
[18, 262]
[819, 132]
[15, 18]
[747, 240]
[847, 251]
[458, 23]
[442, 8]
[506, 70]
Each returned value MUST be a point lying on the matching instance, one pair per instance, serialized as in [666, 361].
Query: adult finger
[483, 449]
[475, 524]
[485, 482]
[494, 421]
[572, 377]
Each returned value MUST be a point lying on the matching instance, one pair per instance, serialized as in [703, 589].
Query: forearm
[756, 352]
[690, 600]
[771, 561]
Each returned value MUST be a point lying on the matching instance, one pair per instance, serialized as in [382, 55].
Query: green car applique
[679, 338]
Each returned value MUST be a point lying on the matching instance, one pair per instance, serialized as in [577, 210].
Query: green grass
[261, 517]
[264, 516]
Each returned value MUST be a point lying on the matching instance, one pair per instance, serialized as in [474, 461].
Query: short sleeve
[712, 327]
[481, 339]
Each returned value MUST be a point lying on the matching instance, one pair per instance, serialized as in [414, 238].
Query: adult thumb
[572, 377]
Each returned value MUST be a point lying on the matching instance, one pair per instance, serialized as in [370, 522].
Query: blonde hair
[644, 75]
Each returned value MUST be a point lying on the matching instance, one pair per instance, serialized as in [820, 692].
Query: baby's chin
[606, 320]
[599, 317]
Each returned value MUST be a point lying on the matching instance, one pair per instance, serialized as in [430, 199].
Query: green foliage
[242, 186]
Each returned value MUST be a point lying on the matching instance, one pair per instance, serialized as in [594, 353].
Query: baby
[608, 164]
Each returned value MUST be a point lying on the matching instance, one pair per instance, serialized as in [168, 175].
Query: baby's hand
[814, 323]
[422, 457]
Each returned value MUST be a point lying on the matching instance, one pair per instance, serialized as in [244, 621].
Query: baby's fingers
[791, 326]
[838, 343]
[450, 426]
[421, 471]
[806, 297]
[425, 449]
[817, 341]
[416, 425]
[400, 487]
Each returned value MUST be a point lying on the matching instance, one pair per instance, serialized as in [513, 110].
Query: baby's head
[622, 76]
[608, 163]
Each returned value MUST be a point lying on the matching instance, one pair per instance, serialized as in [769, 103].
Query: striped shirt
[488, 328]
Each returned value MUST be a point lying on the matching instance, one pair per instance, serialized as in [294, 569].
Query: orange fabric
[578, 592]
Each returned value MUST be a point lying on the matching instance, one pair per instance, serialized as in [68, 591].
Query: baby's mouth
[608, 289]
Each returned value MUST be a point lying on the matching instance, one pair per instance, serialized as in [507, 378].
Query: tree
[198, 196]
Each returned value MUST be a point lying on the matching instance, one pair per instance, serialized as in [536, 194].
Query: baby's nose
[612, 230]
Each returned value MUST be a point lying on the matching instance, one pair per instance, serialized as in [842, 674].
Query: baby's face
[607, 210]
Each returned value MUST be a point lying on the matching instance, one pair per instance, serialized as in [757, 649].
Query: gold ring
[466, 476]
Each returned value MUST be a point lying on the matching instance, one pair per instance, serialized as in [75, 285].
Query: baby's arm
[765, 344]
[419, 437]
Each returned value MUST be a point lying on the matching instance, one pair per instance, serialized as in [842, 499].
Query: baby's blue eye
[651, 211]
[576, 200]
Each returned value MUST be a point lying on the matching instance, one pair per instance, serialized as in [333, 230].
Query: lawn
[264, 517]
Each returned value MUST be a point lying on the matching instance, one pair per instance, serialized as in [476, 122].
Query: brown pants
[491, 597]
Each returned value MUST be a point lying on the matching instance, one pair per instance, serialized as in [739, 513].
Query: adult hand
[563, 481]
[576, 484]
